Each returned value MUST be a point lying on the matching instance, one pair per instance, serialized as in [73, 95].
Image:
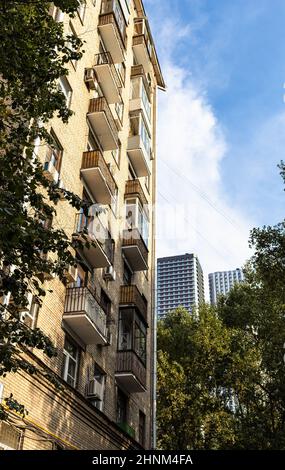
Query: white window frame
[31, 312]
[101, 378]
[81, 9]
[66, 89]
[57, 14]
[71, 32]
[67, 358]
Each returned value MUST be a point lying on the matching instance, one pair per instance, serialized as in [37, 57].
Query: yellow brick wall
[68, 415]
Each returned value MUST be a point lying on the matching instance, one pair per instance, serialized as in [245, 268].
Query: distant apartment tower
[221, 282]
[180, 282]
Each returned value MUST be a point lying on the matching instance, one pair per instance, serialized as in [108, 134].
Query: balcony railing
[131, 297]
[101, 254]
[84, 315]
[134, 189]
[108, 77]
[142, 45]
[98, 105]
[105, 58]
[138, 71]
[129, 363]
[135, 249]
[103, 123]
[112, 27]
[94, 159]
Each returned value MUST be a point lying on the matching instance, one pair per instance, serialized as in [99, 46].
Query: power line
[202, 195]
[197, 231]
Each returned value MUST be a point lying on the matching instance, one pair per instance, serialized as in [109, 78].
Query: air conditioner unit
[90, 78]
[94, 390]
[110, 274]
[71, 273]
[50, 172]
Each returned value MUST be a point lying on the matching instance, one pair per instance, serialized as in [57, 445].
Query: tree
[196, 363]
[34, 54]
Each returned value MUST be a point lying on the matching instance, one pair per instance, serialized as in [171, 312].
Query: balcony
[134, 189]
[138, 149]
[95, 244]
[108, 77]
[140, 95]
[103, 123]
[84, 315]
[112, 28]
[130, 372]
[142, 44]
[131, 297]
[97, 176]
[135, 250]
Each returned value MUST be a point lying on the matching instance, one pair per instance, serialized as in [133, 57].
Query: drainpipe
[154, 321]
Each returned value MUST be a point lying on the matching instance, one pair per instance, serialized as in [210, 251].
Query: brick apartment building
[102, 321]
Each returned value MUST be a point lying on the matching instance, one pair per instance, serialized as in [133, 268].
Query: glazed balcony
[108, 77]
[140, 98]
[97, 246]
[112, 28]
[131, 297]
[103, 123]
[135, 250]
[142, 46]
[130, 372]
[84, 315]
[97, 176]
[139, 144]
[133, 189]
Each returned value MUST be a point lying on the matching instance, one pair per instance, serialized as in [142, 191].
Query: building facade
[102, 321]
[180, 282]
[221, 282]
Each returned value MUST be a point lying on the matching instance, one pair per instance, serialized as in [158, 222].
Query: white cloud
[191, 148]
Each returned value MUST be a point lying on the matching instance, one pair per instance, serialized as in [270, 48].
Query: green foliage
[231, 353]
[34, 53]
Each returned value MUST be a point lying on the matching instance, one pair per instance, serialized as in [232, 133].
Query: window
[66, 90]
[54, 156]
[132, 334]
[122, 407]
[147, 183]
[116, 154]
[140, 340]
[127, 275]
[56, 13]
[121, 69]
[30, 316]
[100, 379]
[114, 203]
[70, 362]
[106, 303]
[81, 9]
[138, 128]
[92, 144]
[71, 32]
[142, 428]
[113, 5]
[119, 107]
[9, 437]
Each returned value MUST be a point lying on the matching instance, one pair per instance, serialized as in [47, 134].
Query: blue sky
[225, 60]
